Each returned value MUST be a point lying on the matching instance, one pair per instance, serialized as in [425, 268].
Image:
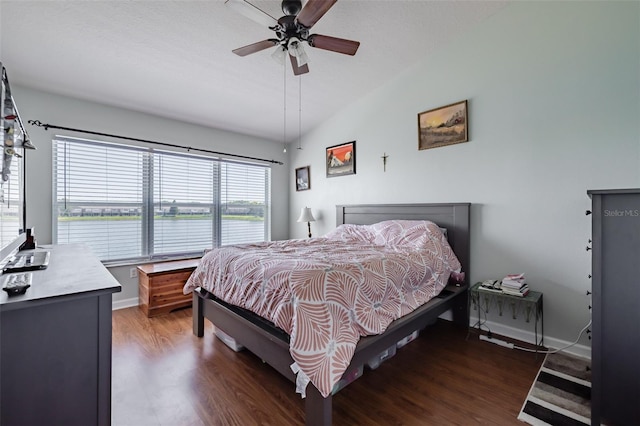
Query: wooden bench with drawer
[160, 286]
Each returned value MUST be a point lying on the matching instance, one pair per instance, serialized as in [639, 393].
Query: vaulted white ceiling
[173, 58]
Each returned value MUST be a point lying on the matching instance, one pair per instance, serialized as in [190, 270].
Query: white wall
[554, 107]
[73, 113]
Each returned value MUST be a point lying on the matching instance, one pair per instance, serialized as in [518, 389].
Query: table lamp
[306, 216]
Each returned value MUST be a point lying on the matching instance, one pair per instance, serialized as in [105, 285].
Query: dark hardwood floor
[164, 375]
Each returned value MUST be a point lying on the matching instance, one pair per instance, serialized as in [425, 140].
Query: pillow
[350, 232]
[415, 233]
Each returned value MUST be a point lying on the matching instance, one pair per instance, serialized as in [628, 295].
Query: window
[131, 203]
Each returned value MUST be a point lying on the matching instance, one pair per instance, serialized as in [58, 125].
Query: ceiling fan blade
[296, 69]
[255, 47]
[313, 10]
[252, 12]
[334, 44]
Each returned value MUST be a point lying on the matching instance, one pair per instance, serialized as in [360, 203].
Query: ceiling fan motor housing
[288, 28]
[291, 7]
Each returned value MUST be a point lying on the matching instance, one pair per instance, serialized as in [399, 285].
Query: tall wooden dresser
[615, 350]
[55, 344]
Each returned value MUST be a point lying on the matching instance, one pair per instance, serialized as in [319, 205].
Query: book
[515, 276]
[513, 286]
[514, 281]
[517, 292]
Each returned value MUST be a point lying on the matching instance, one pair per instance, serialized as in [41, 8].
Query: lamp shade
[279, 54]
[306, 216]
[295, 48]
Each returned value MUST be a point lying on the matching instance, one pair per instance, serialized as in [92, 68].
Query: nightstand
[530, 306]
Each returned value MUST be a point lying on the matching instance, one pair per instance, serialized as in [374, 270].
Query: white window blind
[131, 203]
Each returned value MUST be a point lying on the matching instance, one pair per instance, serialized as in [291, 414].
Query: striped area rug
[561, 393]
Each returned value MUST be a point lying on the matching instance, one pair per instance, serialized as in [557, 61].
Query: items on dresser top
[16, 280]
[15, 284]
[27, 261]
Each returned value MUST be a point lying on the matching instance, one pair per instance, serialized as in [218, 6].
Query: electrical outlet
[133, 273]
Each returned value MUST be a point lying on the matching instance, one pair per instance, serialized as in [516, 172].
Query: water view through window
[129, 203]
[120, 238]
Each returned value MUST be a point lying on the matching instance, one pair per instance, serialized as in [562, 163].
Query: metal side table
[529, 305]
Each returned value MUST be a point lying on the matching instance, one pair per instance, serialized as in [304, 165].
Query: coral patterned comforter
[328, 292]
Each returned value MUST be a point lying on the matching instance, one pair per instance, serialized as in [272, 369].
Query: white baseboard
[529, 337]
[126, 303]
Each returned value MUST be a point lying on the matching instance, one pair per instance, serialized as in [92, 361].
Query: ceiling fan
[291, 30]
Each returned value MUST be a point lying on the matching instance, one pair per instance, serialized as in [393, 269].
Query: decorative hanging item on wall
[341, 159]
[443, 126]
[384, 161]
[13, 136]
[303, 178]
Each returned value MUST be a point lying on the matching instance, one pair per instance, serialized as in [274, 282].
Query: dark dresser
[615, 350]
[55, 343]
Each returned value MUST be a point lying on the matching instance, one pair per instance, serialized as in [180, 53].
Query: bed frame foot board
[198, 314]
[317, 409]
[460, 309]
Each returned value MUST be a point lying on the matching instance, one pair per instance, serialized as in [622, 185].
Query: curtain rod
[188, 148]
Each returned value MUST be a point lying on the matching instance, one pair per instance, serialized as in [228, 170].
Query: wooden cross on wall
[384, 161]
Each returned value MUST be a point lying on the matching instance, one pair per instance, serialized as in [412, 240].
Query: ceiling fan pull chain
[284, 106]
[300, 112]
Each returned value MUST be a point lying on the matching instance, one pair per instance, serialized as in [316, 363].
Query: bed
[272, 344]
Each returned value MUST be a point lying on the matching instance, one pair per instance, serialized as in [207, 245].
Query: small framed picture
[303, 179]
[341, 159]
[443, 126]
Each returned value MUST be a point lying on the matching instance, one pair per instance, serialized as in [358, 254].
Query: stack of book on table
[515, 285]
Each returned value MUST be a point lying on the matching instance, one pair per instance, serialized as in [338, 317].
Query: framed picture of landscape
[303, 181]
[442, 126]
[341, 159]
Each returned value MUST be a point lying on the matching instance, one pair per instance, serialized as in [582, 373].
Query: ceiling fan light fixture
[279, 54]
[296, 49]
[302, 58]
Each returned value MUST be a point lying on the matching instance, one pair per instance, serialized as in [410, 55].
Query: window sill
[148, 260]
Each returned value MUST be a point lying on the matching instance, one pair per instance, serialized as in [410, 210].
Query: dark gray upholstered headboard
[453, 216]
